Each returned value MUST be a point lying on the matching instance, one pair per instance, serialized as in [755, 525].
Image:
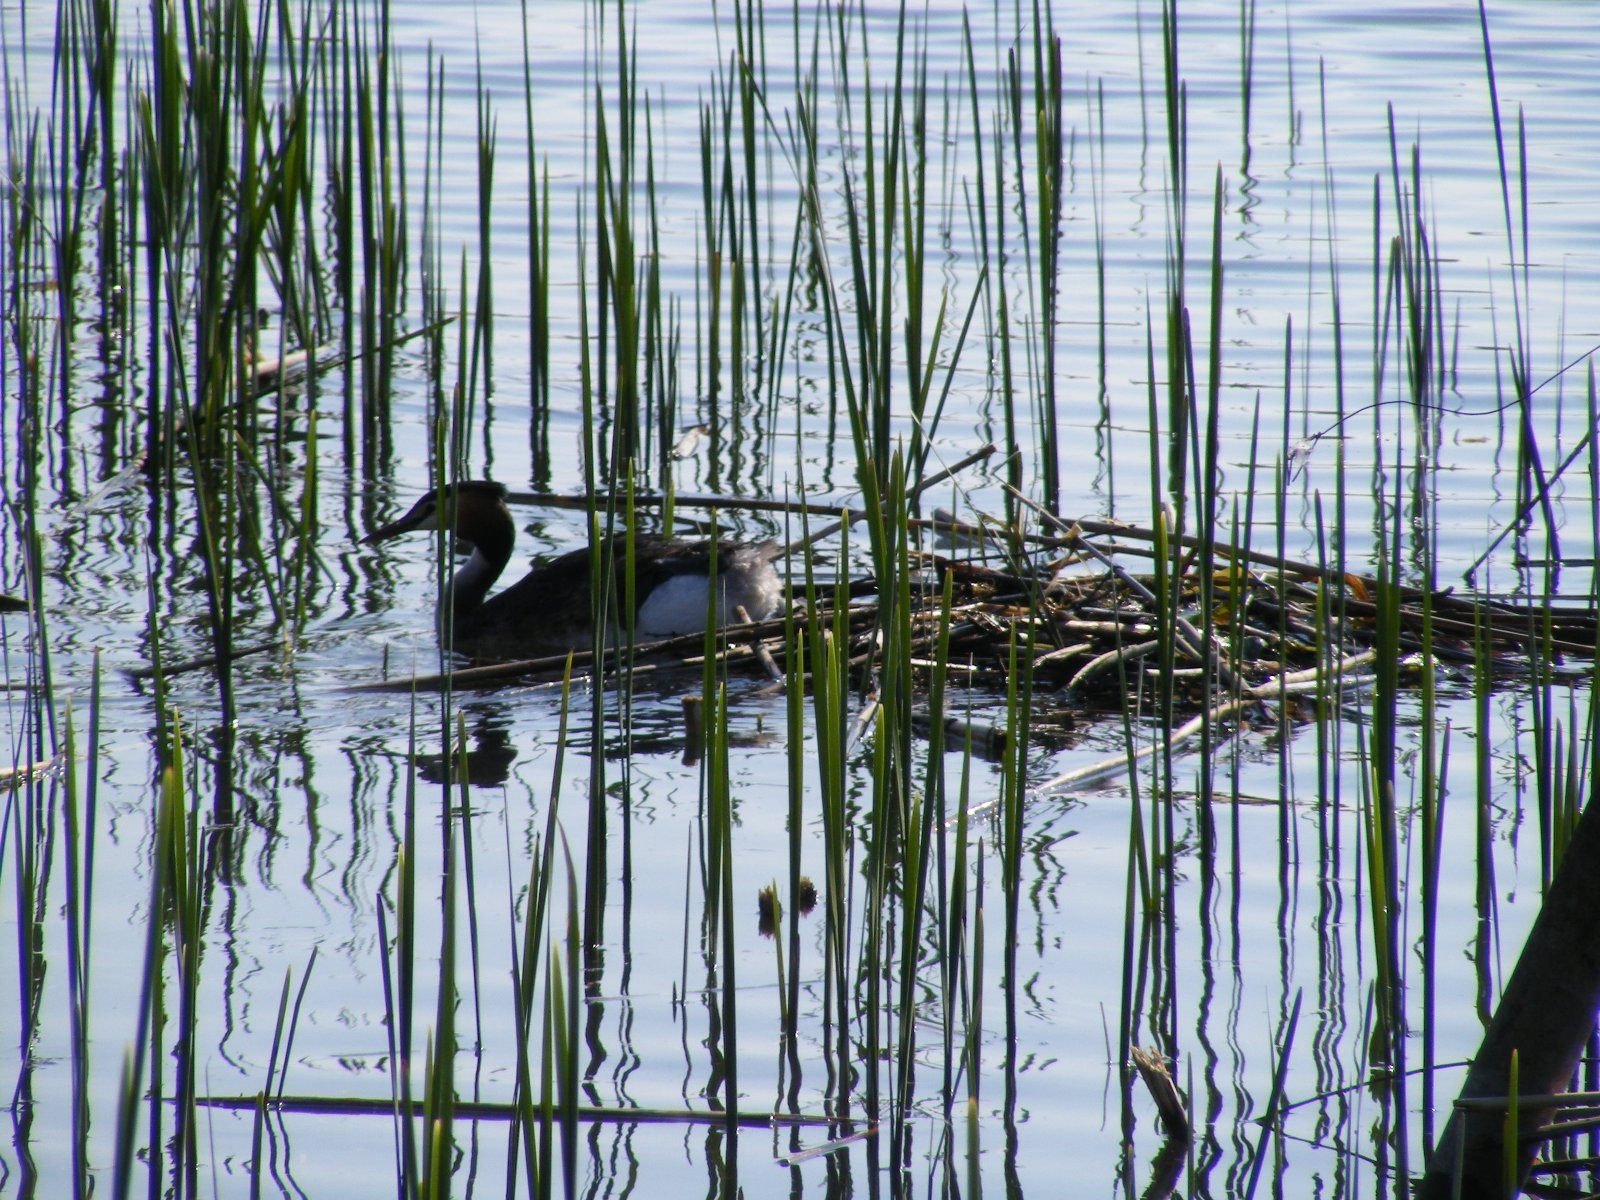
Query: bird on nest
[549, 609]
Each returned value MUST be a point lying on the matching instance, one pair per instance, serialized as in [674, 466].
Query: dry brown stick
[844, 513]
[11, 777]
[1107, 767]
[855, 515]
[269, 380]
[494, 673]
[1189, 541]
[149, 671]
[709, 503]
[1061, 653]
[1500, 628]
[1104, 661]
[1142, 624]
[1305, 680]
[1094, 772]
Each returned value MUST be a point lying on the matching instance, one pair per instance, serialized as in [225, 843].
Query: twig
[201, 663]
[1107, 767]
[492, 674]
[1203, 648]
[1101, 663]
[855, 515]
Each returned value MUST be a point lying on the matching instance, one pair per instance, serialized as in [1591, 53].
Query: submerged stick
[201, 663]
[1106, 767]
[491, 674]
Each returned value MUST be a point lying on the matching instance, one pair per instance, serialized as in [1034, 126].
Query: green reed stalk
[1243, 581]
[708, 364]
[27, 815]
[564, 1008]
[258, 1133]
[659, 338]
[922, 810]
[72, 157]
[1531, 481]
[439, 1094]
[482, 359]
[722, 930]
[538, 272]
[625, 591]
[750, 42]
[1430, 784]
[1330, 615]
[533, 1126]
[920, 344]
[336, 93]
[400, 997]
[1333, 607]
[794, 743]
[379, 171]
[463, 776]
[1167, 585]
[896, 869]
[974, 1032]
[295, 259]
[98, 19]
[280, 1033]
[1545, 742]
[829, 670]
[157, 140]
[1049, 152]
[294, 1022]
[1247, 72]
[1104, 428]
[178, 839]
[877, 935]
[1381, 822]
[169, 849]
[1176, 96]
[1208, 503]
[304, 557]
[1433, 754]
[995, 301]
[956, 931]
[603, 588]
[1013, 799]
[80, 863]
[1283, 1043]
[31, 834]
[615, 296]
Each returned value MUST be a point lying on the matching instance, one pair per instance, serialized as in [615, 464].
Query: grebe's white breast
[678, 605]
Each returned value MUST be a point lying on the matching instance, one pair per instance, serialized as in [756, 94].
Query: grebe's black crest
[549, 609]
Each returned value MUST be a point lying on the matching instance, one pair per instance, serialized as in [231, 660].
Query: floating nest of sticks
[1091, 629]
[1252, 629]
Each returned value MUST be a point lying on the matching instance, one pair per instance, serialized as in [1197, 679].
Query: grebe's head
[463, 507]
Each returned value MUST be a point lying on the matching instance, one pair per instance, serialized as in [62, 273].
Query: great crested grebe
[549, 608]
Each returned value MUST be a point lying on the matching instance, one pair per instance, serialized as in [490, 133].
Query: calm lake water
[1308, 197]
